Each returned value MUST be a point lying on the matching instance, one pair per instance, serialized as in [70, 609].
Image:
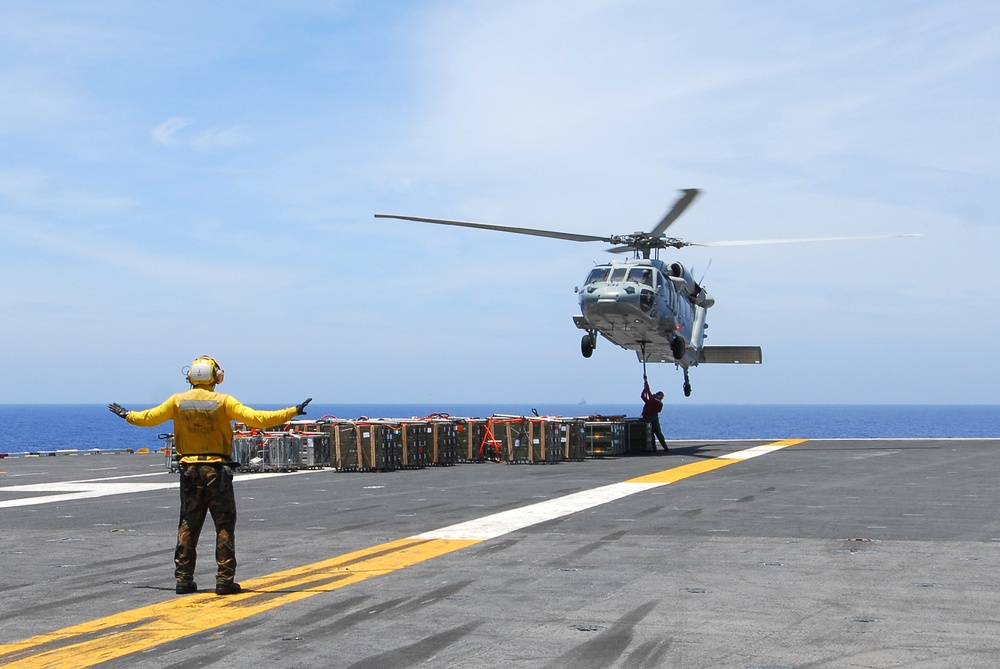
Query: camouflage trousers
[206, 489]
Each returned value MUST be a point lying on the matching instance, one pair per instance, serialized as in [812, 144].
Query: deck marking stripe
[505, 522]
[94, 488]
[122, 634]
[118, 635]
[694, 468]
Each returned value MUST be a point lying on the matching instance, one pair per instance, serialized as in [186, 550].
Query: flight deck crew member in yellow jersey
[203, 439]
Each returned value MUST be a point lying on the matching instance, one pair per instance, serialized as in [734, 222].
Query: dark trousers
[654, 420]
[206, 489]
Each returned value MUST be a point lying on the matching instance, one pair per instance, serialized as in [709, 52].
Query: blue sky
[179, 178]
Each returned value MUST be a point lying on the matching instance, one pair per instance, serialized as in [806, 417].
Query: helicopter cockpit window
[641, 275]
[618, 275]
[598, 275]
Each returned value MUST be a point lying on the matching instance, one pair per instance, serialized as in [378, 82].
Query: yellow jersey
[203, 429]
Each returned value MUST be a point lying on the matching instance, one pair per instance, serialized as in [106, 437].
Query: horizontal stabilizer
[734, 355]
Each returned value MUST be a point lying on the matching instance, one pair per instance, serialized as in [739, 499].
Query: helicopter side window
[641, 275]
[667, 290]
[598, 275]
[618, 275]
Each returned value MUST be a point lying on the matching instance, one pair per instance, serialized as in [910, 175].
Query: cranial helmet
[205, 371]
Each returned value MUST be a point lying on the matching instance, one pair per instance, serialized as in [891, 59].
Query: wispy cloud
[166, 132]
[169, 133]
[222, 137]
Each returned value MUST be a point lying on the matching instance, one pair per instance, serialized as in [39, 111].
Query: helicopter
[642, 303]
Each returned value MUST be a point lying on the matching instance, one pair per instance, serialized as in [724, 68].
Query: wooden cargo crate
[344, 446]
[380, 446]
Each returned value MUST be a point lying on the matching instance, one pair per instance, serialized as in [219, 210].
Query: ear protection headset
[205, 371]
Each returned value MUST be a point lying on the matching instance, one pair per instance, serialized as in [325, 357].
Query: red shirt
[652, 404]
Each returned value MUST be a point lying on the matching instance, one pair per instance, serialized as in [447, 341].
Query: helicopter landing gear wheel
[678, 347]
[687, 384]
[588, 344]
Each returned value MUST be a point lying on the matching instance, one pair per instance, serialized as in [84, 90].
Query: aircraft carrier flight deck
[747, 554]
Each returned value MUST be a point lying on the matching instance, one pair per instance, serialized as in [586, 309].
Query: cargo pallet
[438, 440]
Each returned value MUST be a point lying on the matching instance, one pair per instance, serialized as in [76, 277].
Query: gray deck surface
[824, 554]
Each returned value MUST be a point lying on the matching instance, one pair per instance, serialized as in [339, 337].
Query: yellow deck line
[695, 468]
[121, 634]
[114, 636]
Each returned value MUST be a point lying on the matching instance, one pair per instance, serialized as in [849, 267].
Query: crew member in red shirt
[651, 412]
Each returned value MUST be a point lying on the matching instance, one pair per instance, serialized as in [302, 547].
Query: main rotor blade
[754, 242]
[570, 236]
[682, 203]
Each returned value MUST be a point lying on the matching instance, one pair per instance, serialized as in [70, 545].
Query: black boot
[186, 587]
[227, 588]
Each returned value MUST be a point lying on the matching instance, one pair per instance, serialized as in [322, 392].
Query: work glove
[300, 409]
[118, 410]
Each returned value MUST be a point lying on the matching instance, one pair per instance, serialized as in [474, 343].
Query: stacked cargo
[275, 451]
[280, 451]
[509, 438]
[379, 445]
[475, 440]
[545, 440]
[638, 437]
[247, 450]
[314, 449]
[344, 448]
[418, 441]
[572, 431]
[604, 437]
[440, 436]
[447, 443]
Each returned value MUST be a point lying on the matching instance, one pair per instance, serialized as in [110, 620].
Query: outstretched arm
[149, 417]
[236, 410]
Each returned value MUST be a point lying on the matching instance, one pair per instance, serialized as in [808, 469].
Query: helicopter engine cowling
[704, 298]
[679, 275]
[695, 293]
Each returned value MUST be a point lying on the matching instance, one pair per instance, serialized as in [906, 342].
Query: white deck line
[505, 522]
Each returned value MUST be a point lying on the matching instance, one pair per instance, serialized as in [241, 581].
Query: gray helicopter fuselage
[647, 306]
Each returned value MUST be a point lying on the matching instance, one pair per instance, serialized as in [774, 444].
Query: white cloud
[218, 137]
[222, 137]
[165, 132]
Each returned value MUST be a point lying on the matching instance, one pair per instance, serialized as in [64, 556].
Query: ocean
[46, 427]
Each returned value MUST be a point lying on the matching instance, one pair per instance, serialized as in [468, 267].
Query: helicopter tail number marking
[734, 355]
